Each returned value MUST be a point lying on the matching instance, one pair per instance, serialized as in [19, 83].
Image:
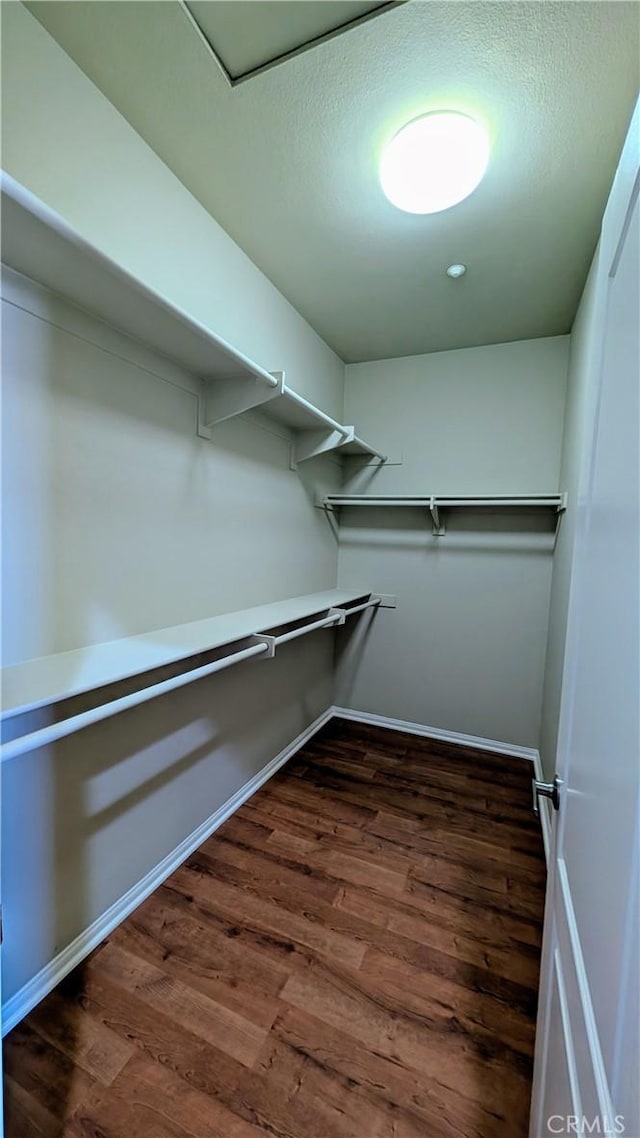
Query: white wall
[465, 649]
[118, 519]
[63, 140]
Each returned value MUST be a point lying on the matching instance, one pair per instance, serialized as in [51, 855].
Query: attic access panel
[247, 38]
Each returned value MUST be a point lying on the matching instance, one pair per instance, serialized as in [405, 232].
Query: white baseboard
[46, 980]
[475, 741]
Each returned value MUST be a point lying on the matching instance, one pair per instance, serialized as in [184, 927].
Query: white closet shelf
[314, 431]
[40, 244]
[435, 502]
[46, 680]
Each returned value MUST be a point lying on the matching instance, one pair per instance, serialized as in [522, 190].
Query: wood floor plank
[485, 810]
[498, 1029]
[292, 1096]
[466, 946]
[448, 1057]
[468, 849]
[267, 865]
[416, 1106]
[440, 779]
[56, 1082]
[26, 1114]
[266, 916]
[354, 954]
[166, 1097]
[339, 796]
[90, 1045]
[110, 1115]
[238, 1036]
[156, 1035]
[473, 910]
[198, 950]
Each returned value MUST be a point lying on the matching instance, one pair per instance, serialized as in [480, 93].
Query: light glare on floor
[434, 162]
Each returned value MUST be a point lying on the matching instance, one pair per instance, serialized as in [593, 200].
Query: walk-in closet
[320, 571]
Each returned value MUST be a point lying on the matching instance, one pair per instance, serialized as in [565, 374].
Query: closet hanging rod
[335, 616]
[372, 500]
[374, 453]
[54, 731]
[320, 416]
[326, 622]
[262, 645]
[373, 603]
[557, 500]
[356, 445]
[274, 641]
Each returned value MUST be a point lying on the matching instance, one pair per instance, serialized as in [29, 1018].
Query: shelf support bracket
[225, 398]
[438, 526]
[310, 444]
[202, 430]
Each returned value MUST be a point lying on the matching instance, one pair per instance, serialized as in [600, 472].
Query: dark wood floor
[354, 954]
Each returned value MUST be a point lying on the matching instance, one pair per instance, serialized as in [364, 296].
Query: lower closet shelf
[557, 502]
[247, 633]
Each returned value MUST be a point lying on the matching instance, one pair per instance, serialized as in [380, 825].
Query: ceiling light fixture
[456, 271]
[434, 162]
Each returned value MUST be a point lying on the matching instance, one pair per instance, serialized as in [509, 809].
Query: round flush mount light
[456, 271]
[434, 162]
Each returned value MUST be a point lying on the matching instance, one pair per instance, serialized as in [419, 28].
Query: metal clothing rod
[360, 608]
[370, 450]
[345, 498]
[55, 731]
[334, 617]
[543, 500]
[378, 502]
[326, 622]
[315, 411]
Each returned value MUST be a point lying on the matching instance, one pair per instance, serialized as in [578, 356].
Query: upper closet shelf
[39, 243]
[435, 502]
[314, 431]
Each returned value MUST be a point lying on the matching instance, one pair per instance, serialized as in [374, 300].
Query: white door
[586, 1069]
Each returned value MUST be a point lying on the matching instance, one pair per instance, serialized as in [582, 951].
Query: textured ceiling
[287, 162]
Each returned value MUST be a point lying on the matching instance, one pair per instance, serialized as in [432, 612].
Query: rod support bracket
[340, 614]
[438, 526]
[270, 641]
